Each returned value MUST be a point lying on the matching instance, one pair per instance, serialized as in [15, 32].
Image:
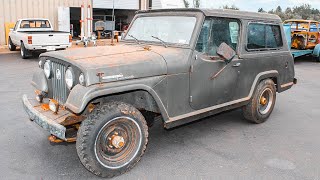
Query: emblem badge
[58, 74]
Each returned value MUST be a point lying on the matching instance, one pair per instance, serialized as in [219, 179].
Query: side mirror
[226, 52]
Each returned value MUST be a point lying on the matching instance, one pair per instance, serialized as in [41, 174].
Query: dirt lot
[220, 147]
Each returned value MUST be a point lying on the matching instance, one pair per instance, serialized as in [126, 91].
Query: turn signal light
[70, 38]
[53, 105]
[29, 39]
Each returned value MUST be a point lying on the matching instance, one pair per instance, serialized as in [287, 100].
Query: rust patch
[91, 107]
[73, 119]
[45, 107]
[54, 139]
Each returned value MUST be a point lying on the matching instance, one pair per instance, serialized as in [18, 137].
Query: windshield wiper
[162, 41]
[137, 41]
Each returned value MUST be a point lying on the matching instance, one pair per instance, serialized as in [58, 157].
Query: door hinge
[190, 98]
[191, 69]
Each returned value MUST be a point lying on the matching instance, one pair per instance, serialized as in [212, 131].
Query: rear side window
[263, 37]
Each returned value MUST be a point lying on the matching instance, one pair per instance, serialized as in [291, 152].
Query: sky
[254, 5]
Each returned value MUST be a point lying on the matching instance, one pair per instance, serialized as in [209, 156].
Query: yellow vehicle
[304, 33]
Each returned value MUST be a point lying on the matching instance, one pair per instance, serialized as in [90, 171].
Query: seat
[26, 26]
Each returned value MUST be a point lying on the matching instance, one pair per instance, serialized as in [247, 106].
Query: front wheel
[112, 139]
[262, 103]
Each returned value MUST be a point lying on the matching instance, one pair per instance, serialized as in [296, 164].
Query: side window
[223, 30]
[216, 31]
[263, 37]
[203, 40]
[256, 36]
[273, 36]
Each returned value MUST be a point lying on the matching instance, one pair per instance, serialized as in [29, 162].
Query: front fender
[80, 96]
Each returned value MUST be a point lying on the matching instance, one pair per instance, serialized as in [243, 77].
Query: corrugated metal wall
[118, 4]
[12, 10]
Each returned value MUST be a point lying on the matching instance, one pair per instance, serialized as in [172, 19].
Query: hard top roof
[220, 12]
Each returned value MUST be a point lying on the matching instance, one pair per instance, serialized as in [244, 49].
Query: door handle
[236, 65]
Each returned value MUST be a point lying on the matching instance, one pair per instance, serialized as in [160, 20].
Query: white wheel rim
[135, 153]
[21, 51]
[264, 108]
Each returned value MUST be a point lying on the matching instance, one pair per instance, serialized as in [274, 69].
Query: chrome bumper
[43, 121]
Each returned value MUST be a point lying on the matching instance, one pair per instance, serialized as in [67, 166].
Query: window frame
[178, 45]
[265, 35]
[47, 21]
[210, 33]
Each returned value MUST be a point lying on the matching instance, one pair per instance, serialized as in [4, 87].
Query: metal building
[63, 13]
[12, 10]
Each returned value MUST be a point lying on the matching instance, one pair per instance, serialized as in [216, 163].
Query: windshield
[170, 29]
[35, 24]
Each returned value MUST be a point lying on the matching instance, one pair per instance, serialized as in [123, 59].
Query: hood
[120, 62]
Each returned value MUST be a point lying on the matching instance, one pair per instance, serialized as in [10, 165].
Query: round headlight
[47, 69]
[69, 78]
[81, 79]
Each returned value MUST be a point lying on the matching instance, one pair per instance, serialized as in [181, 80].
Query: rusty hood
[113, 63]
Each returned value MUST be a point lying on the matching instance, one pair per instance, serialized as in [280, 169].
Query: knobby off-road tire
[11, 46]
[262, 103]
[23, 51]
[95, 139]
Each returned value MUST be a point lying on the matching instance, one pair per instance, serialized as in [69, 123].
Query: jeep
[177, 65]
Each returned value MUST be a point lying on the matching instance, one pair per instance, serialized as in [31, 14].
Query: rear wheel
[262, 103]
[23, 51]
[112, 139]
[11, 46]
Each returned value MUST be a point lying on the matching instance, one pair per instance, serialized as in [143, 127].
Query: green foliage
[304, 11]
[186, 3]
[230, 7]
[196, 3]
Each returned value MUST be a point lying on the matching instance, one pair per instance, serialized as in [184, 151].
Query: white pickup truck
[37, 35]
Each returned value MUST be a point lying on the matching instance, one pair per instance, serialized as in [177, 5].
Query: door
[207, 86]
[64, 19]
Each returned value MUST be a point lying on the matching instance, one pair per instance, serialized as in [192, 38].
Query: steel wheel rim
[265, 101]
[120, 157]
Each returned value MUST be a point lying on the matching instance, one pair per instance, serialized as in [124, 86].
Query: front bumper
[45, 119]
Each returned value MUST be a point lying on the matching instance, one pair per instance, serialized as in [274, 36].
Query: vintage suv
[178, 64]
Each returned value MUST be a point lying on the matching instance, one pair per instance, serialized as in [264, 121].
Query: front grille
[59, 87]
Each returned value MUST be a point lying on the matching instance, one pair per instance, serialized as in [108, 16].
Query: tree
[304, 11]
[261, 10]
[196, 3]
[186, 4]
[278, 10]
[233, 7]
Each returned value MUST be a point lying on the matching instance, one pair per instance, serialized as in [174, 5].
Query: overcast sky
[254, 5]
